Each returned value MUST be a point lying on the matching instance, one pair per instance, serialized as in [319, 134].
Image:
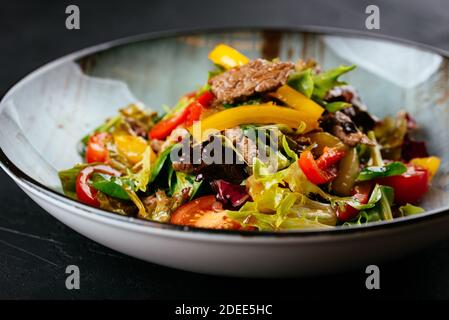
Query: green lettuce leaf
[374, 198]
[142, 178]
[327, 80]
[378, 207]
[111, 186]
[68, 179]
[126, 208]
[280, 201]
[337, 106]
[388, 170]
[364, 217]
[160, 161]
[277, 207]
[302, 82]
[288, 151]
[283, 218]
[183, 181]
[298, 182]
[385, 203]
[410, 209]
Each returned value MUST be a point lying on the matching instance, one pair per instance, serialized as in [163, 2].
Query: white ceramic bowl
[44, 115]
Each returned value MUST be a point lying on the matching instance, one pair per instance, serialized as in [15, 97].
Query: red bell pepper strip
[164, 127]
[195, 111]
[329, 157]
[206, 99]
[319, 171]
[187, 116]
[84, 192]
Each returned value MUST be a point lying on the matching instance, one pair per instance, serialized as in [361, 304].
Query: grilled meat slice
[257, 76]
[358, 111]
[341, 126]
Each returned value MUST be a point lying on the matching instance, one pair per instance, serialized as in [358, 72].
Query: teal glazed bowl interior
[44, 116]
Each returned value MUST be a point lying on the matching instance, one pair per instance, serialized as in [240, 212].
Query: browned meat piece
[156, 145]
[183, 167]
[256, 76]
[246, 147]
[137, 127]
[342, 93]
[233, 173]
[138, 120]
[358, 111]
[211, 168]
[341, 126]
[351, 139]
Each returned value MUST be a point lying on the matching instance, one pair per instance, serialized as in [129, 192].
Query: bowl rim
[44, 191]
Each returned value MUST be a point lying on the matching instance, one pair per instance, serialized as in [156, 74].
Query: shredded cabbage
[409, 209]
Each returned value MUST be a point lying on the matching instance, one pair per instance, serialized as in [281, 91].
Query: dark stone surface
[35, 248]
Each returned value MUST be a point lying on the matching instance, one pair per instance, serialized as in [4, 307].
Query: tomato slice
[410, 186]
[204, 212]
[361, 192]
[84, 192]
[96, 150]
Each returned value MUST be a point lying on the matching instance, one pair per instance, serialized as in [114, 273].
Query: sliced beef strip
[340, 125]
[137, 127]
[342, 93]
[256, 76]
[156, 145]
[183, 167]
[358, 111]
[232, 172]
[245, 146]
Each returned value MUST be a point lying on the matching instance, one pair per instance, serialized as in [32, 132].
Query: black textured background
[35, 248]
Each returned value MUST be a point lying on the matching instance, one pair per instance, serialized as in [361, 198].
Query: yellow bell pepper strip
[227, 57]
[300, 102]
[132, 147]
[259, 114]
[431, 164]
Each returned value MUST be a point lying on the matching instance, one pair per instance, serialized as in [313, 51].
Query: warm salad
[263, 145]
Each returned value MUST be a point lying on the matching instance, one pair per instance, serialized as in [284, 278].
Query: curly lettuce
[277, 207]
